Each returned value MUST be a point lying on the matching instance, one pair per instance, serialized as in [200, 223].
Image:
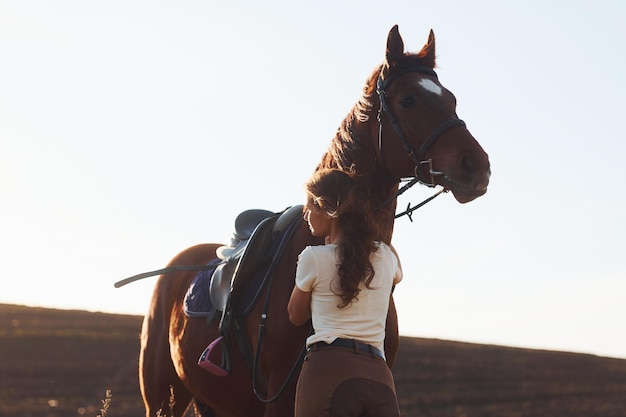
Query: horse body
[412, 107]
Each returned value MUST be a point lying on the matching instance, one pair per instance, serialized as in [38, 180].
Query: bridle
[417, 155]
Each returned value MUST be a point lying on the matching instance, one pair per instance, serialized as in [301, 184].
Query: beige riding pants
[341, 382]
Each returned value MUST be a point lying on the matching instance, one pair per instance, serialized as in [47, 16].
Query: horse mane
[345, 148]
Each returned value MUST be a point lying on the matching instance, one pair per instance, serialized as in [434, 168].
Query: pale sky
[131, 130]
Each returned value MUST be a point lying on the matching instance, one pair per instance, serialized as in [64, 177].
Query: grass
[105, 404]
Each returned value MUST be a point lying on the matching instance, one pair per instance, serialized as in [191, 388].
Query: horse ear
[395, 46]
[428, 50]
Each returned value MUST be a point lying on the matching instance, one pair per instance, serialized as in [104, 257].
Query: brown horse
[403, 126]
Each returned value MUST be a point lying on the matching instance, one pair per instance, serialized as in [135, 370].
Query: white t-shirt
[365, 318]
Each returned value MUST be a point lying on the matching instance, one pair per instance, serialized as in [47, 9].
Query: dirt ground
[60, 363]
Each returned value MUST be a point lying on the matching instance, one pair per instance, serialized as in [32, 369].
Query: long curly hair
[339, 194]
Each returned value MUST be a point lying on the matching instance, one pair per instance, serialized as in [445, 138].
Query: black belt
[355, 345]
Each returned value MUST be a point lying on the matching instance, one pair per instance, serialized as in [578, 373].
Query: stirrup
[205, 363]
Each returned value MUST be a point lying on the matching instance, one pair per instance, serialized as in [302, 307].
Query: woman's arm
[399, 272]
[299, 307]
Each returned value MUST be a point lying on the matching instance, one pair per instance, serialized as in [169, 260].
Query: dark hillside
[442, 378]
[59, 363]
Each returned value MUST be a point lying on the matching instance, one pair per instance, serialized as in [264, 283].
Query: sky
[131, 130]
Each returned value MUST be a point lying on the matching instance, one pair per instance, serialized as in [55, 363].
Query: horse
[404, 127]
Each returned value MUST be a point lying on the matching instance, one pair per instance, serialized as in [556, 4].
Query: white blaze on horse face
[431, 86]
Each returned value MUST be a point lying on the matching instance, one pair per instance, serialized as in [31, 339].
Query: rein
[417, 155]
[286, 238]
[296, 366]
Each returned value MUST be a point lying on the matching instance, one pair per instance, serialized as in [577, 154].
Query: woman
[344, 287]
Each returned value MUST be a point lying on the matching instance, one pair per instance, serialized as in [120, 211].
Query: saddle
[230, 255]
[246, 265]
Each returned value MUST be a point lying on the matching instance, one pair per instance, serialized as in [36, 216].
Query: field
[60, 363]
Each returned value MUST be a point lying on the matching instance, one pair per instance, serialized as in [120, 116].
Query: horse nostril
[475, 171]
[467, 167]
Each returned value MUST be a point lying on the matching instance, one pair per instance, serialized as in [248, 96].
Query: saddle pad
[197, 300]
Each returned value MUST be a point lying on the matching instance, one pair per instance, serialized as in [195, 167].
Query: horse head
[418, 133]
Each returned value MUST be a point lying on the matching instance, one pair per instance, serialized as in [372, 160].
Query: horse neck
[353, 148]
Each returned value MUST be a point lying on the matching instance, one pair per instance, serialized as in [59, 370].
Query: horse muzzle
[463, 190]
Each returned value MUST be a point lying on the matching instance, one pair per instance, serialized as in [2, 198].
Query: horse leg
[201, 409]
[392, 338]
[161, 388]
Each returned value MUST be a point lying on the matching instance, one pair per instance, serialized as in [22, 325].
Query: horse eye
[407, 101]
